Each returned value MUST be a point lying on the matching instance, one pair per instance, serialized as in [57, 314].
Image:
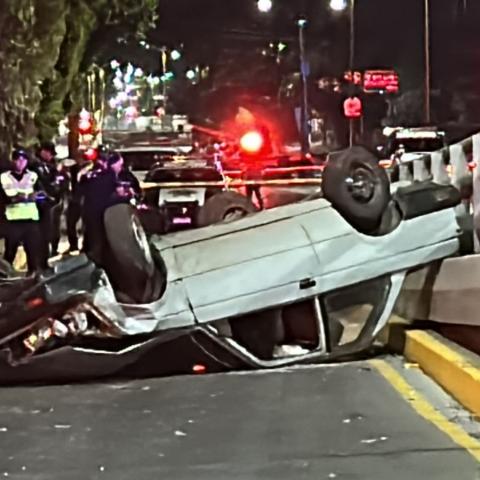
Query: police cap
[20, 153]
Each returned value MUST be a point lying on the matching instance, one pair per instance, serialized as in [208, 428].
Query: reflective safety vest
[12, 187]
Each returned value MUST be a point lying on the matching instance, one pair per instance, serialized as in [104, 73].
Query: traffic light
[85, 124]
[352, 107]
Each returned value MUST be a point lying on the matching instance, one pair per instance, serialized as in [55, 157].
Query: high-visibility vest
[12, 187]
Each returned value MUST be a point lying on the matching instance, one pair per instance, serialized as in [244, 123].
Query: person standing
[18, 189]
[74, 207]
[55, 181]
[108, 184]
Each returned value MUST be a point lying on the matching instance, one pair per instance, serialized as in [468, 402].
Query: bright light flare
[264, 6]
[338, 5]
[175, 55]
[251, 142]
[90, 154]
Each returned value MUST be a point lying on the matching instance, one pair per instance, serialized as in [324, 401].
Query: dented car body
[295, 284]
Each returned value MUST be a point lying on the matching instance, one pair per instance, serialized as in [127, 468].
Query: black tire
[224, 207]
[130, 265]
[6, 270]
[357, 187]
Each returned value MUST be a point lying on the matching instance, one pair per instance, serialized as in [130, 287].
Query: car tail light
[198, 368]
[35, 302]
[252, 142]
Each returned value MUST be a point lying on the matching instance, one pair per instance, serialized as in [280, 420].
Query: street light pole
[302, 23]
[427, 62]
[164, 71]
[352, 61]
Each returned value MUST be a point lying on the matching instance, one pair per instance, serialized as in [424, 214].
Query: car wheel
[6, 270]
[130, 264]
[357, 187]
[224, 207]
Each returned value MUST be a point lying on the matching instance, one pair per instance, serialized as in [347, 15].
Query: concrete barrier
[457, 165]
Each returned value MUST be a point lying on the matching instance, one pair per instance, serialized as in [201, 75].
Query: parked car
[313, 281]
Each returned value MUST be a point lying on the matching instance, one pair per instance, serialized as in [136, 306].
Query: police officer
[128, 186]
[18, 187]
[55, 181]
[74, 207]
[107, 184]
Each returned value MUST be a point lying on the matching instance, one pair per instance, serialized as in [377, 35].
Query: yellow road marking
[447, 367]
[426, 410]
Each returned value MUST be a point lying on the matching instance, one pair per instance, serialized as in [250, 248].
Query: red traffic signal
[85, 127]
[252, 142]
[85, 124]
[352, 107]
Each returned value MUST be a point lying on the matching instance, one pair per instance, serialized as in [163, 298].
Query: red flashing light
[90, 154]
[251, 142]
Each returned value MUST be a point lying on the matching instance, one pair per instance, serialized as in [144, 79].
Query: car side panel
[356, 257]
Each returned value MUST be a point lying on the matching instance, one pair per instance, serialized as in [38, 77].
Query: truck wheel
[130, 265]
[224, 207]
[357, 187]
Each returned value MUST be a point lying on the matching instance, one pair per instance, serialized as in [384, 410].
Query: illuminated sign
[381, 81]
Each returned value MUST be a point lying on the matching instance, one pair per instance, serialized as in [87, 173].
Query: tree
[47, 51]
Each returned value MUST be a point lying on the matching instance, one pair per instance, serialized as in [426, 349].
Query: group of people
[36, 192]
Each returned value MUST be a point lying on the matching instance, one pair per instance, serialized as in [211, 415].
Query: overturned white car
[309, 282]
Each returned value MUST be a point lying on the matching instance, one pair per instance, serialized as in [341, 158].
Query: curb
[445, 362]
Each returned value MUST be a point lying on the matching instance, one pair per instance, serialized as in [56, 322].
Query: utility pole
[427, 62]
[351, 64]
[302, 23]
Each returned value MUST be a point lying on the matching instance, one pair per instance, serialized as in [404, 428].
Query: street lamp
[175, 55]
[340, 5]
[304, 71]
[264, 6]
[427, 61]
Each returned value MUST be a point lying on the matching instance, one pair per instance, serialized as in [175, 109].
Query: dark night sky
[389, 33]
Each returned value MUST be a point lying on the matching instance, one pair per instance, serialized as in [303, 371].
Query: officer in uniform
[18, 187]
[104, 186]
[55, 181]
[74, 208]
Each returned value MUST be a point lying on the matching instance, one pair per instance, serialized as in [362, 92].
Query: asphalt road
[336, 422]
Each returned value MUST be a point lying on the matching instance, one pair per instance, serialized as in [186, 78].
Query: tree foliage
[43, 53]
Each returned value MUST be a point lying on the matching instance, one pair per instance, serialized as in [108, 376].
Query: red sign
[352, 107]
[380, 81]
[353, 77]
